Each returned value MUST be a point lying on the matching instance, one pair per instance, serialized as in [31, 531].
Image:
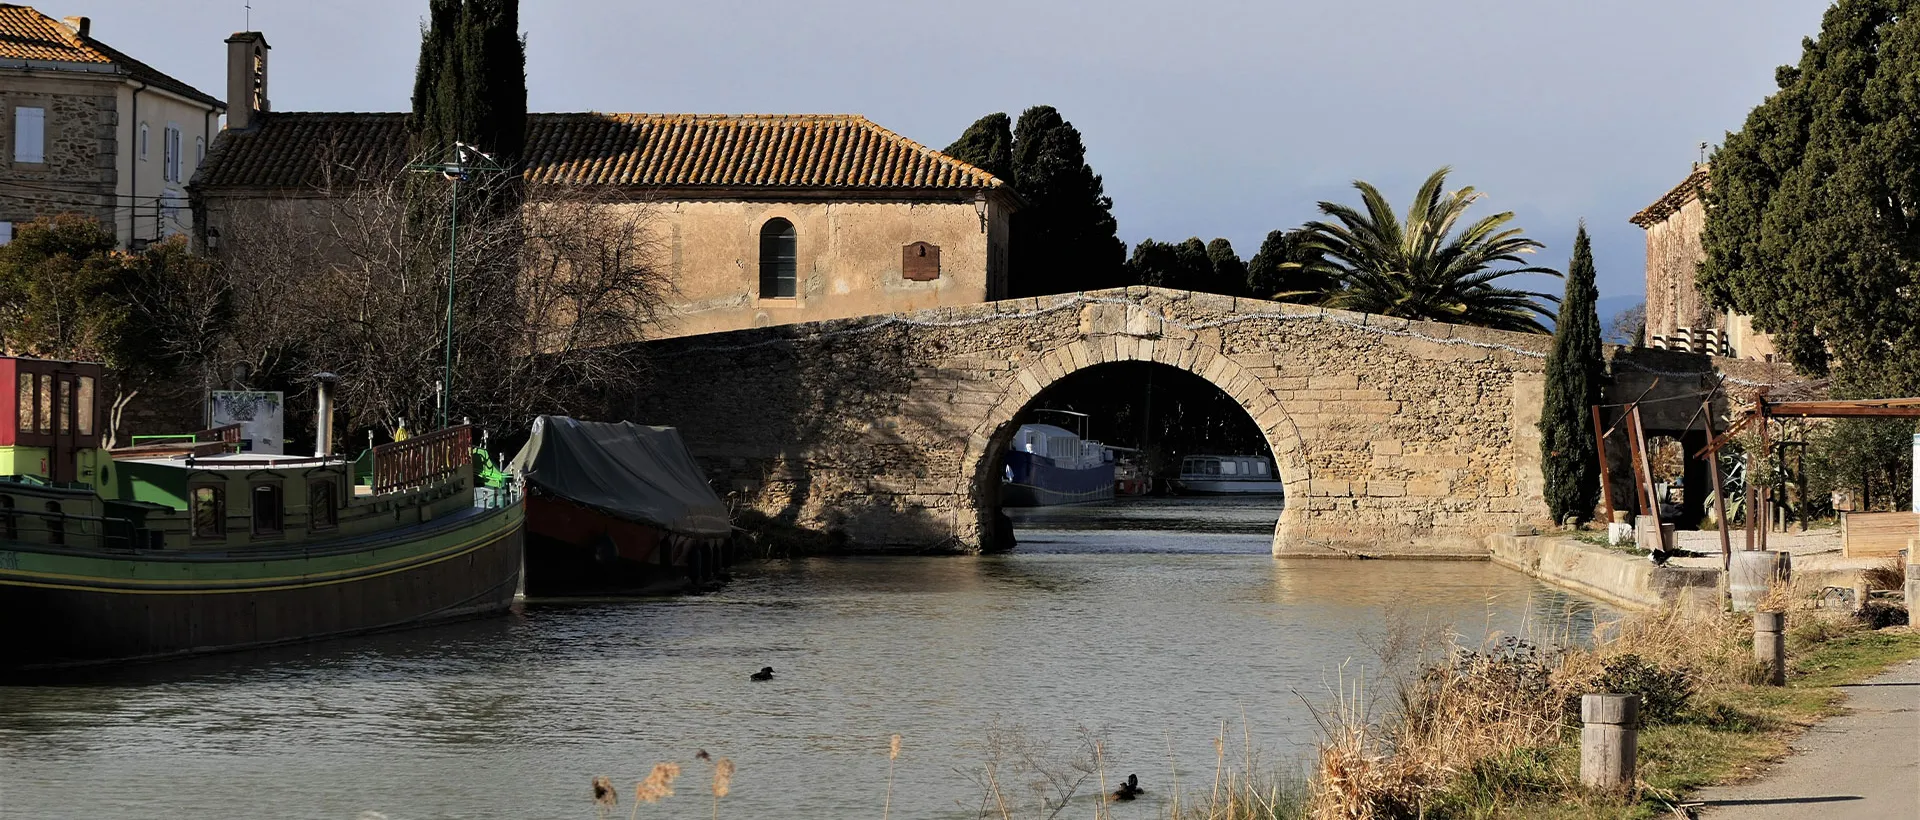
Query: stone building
[1678, 317]
[90, 130]
[760, 219]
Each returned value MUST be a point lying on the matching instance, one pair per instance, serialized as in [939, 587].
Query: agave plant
[1423, 269]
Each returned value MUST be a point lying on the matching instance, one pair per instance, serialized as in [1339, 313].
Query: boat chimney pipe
[323, 414]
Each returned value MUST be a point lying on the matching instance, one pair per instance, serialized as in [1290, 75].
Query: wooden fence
[422, 460]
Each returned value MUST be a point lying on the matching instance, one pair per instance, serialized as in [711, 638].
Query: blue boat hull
[1035, 481]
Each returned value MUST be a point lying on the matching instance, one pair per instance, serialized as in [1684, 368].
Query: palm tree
[1415, 271]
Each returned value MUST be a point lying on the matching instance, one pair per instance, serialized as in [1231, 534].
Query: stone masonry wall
[81, 139]
[1391, 437]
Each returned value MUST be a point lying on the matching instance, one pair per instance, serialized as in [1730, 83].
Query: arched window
[778, 259]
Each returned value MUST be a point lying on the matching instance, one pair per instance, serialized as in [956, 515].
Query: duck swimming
[1130, 789]
[765, 673]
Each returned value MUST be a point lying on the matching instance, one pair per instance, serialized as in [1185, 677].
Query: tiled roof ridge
[764, 151]
[39, 31]
[1688, 190]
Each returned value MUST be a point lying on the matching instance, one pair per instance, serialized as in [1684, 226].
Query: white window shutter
[29, 134]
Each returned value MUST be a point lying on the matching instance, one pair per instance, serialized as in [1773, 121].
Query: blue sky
[1208, 117]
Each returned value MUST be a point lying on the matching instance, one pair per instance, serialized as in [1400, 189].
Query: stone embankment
[1626, 581]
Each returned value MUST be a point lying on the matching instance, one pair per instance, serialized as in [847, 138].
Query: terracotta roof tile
[773, 151]
[1687, 191]
[26, 34]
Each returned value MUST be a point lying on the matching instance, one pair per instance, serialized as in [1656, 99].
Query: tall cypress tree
[1574, 370]
[471, 84]
[987, 144]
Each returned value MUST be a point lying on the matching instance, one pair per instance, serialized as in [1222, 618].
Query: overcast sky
[1207, 117]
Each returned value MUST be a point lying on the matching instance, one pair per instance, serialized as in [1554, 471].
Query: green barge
[191, 546]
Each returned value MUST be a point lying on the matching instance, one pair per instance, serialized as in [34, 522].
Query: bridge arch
[990, 439]
[1392, 437]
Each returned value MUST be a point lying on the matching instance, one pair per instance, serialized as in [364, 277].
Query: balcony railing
[421, 461]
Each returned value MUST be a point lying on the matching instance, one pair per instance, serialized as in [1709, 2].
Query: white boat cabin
[1251, 468]
[1062, 447]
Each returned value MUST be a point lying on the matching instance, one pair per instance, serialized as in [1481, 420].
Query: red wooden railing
[422, 460]
[229, 433]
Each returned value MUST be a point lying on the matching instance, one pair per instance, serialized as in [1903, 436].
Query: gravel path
[1864, 765]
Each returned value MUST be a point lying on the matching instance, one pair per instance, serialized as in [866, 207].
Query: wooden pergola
[1759, 498]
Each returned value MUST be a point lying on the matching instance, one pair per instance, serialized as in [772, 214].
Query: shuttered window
[779, 260]
[29, 134]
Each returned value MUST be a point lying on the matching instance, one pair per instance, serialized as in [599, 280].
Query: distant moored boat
[1051, 465]
[1228, 475]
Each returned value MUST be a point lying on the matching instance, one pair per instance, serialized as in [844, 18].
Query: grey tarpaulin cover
[625, 470]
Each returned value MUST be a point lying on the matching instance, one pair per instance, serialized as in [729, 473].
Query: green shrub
[1664, 692]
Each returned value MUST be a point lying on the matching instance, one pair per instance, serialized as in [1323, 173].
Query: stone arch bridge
[1392, 437]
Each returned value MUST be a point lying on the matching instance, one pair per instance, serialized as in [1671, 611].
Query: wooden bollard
[1770, 646]
[1609, 740]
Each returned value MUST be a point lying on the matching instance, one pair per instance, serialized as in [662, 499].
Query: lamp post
[465, 158]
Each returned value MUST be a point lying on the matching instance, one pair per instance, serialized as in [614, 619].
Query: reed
[893, 754]
[722, 782]
[657, 786]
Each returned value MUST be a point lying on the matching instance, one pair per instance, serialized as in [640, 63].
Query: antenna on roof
[1703, 156]
[249, 7]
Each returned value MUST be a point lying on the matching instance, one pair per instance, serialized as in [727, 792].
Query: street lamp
[465, 158]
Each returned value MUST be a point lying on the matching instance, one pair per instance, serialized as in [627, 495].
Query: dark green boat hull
[77, 607]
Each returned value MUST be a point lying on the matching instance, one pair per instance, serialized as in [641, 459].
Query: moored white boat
[1228, 475]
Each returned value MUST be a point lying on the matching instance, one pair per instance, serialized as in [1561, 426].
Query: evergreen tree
[1155, 264]
[987, 145]
[1065, 239]
[1190, 265]
[1229, 273]
[1288, 269]
[1574, 371]
[471, 85]
[1810, 218]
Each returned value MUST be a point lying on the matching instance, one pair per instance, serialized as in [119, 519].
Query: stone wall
[1391, 437]
[78, 175]
[1674, 253]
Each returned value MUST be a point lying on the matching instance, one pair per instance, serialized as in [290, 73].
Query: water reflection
[1150, 634]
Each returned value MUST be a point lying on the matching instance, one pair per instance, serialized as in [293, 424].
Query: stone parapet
[1392, 437]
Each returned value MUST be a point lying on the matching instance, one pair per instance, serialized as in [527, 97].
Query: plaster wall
[849, 259]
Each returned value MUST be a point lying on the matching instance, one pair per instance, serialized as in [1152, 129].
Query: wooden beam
[1606, 480]
[1646, 474]
[1719, 492]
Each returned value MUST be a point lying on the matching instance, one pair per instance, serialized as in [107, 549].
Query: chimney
[79, 25]
[246, 79]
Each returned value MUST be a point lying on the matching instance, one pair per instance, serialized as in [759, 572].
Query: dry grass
[1490, 731]
[1890, 575]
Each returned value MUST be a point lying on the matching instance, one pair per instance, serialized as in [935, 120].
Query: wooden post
[1609, 740]
[1753, 501]
[1719, 492]
[1770, 646]
[1766, 471]
[1639, 435]
[1861, 594]
[1606, 479]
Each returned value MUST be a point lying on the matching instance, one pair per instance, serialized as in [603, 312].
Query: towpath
[1864, 765]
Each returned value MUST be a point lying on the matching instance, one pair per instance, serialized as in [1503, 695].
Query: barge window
[266, 509]
[322, 514]
[1260, 467]
[83, 405]
[63, 410]
[56, 524]
[9, 525]
[25, 404]
[45, 416]
[209, 512]
[1229, 468]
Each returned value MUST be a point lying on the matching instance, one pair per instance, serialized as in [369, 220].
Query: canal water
[1147, 625]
